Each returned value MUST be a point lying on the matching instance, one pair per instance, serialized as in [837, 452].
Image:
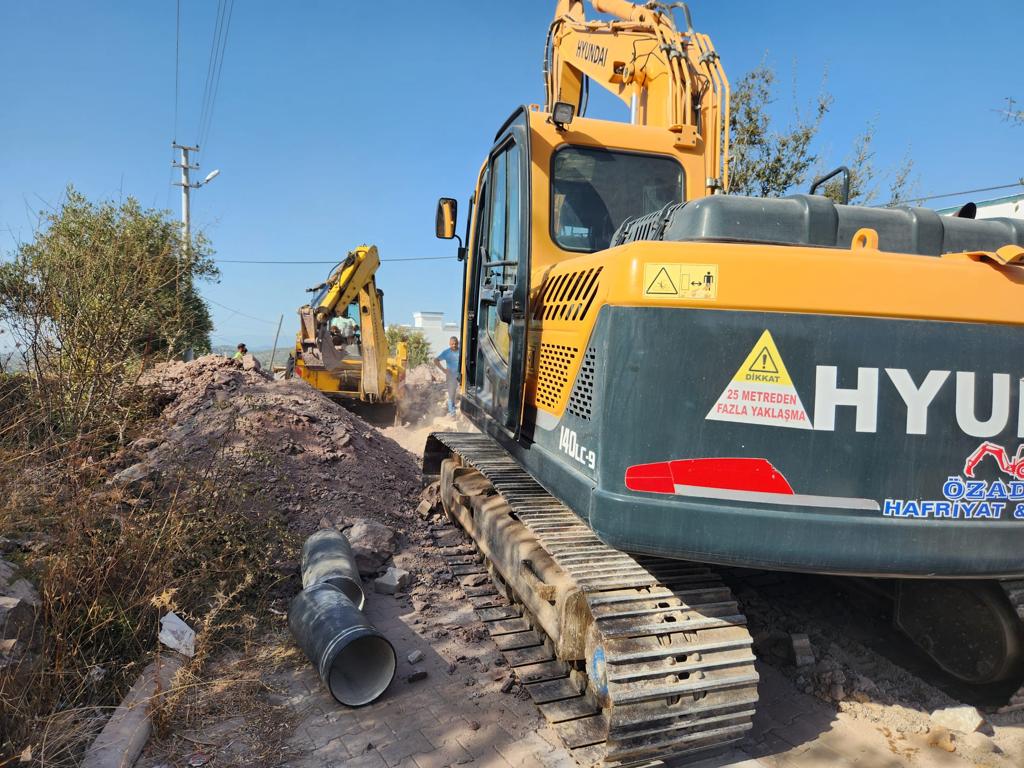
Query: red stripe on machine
[756, 475]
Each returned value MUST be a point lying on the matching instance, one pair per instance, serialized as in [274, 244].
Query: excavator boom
[668, 78]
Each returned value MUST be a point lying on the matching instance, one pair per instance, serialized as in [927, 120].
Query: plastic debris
[177, 635]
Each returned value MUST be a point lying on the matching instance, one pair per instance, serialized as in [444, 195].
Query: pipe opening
[362, 670]
[349, 589]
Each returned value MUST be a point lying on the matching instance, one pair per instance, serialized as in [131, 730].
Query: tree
[765, 162]
[770, 162]
[419, 347]
[101, 289]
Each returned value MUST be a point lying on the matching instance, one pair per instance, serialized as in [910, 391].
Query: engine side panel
[806, 442]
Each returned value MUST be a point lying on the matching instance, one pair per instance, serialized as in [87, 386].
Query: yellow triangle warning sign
[764, 364]
[761, 392]
[662, 285]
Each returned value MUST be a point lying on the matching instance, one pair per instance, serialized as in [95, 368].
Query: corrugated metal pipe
[354, 660]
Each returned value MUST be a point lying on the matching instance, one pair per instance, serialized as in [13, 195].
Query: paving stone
[334, 752]
[367, 760]
[410, 743]
[449, 755]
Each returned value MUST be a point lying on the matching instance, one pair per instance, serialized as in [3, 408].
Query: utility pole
[186, 227]
[186, 187]
[186, 221]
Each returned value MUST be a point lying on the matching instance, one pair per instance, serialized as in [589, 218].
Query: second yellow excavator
[341, 348]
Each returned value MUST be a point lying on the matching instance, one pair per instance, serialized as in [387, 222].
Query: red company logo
[1013, 467]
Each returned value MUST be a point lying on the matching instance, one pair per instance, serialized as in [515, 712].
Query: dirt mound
[297, 450]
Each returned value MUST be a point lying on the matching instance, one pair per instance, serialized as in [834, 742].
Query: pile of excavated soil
[295, 449]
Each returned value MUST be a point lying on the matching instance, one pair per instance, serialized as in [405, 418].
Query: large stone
[250, 363]
[964, 719]
[16, 618]
[7, 571]
[800, 647]
[432, 494]
[134, 475]
[23, 589]
[394, 580]
[145, 444]
[372, 544]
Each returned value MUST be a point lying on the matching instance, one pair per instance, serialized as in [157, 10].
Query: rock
[964, 719]
[432, 494]
[16, 618]
[415, 657]
[393, 580]
[134, 475]
[800, 647]
[144, 444]
[508, 685]
[425, 510]
[250, 363]
[415, 677]
[372, 544]
[7, 571]
[23, 589]
[836, 693]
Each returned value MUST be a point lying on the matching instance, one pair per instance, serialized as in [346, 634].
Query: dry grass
[110, 563]
[231, 709]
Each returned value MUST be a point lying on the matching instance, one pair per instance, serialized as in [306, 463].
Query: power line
[177, 64]
[241, 313]
[332, 261]
[964, 192]
[220, 71]
[214, 46]
[216, 68]
[177, 78]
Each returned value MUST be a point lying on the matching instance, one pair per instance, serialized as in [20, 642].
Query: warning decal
[661, 284]
[761, 392]
[681, 281]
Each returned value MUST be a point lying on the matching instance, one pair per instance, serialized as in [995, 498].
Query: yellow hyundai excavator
[667, 378]
[341, 348]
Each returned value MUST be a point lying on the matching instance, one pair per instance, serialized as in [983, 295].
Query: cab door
[496, 353]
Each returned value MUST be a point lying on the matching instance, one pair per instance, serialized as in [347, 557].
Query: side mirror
[447, 213]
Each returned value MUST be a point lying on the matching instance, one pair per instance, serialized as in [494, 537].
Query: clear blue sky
[339, 123]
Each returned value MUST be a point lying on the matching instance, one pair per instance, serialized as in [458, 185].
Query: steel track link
[674, 673]
[1015, 591]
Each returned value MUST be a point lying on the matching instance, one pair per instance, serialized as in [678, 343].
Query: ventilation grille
[581, 401]
[650, 226]
[569, 296]
[553, 374]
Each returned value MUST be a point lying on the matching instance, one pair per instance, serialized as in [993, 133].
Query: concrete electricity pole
[186, 187]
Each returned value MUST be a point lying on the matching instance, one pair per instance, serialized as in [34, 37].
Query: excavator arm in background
[667, 78]
[352, 280]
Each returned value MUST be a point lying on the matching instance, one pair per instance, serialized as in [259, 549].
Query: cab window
[594, 190]
[502, 253]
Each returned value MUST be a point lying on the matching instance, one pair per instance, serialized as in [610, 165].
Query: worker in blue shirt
[450, 358]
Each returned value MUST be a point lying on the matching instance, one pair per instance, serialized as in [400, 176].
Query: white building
[436, 330]
[1011, 206]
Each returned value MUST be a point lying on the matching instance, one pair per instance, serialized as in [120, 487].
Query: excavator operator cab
[345, 331]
